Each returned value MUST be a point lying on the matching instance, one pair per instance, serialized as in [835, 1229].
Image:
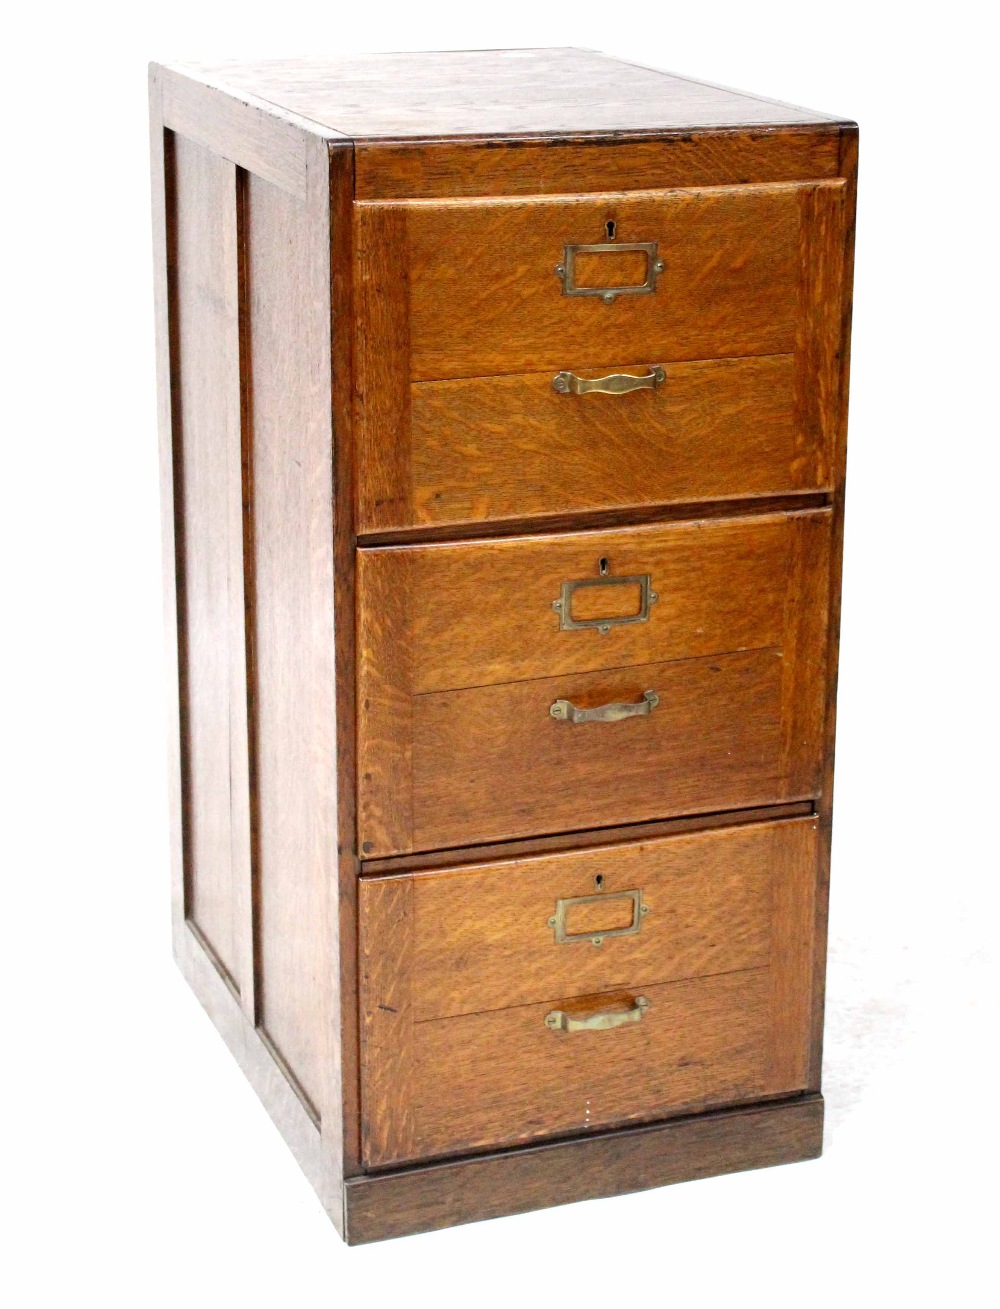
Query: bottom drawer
[505, 1002]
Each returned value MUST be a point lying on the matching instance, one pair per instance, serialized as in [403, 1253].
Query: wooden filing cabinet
[503, 413]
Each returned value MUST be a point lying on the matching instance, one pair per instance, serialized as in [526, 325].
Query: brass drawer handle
[614, 384]
[605, 713]
[563, 1022]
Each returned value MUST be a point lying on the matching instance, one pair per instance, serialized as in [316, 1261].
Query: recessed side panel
[204, 296]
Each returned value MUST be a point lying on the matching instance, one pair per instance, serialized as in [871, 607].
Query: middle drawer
[557, 683]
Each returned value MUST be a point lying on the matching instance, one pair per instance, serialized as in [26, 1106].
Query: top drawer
[463, 323]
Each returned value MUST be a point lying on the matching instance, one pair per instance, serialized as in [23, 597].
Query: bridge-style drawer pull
[605, 713]
[614, 384]
[632, 1012]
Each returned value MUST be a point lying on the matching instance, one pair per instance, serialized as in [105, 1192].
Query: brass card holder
[566, 271]
[564, 605]
[558, 920]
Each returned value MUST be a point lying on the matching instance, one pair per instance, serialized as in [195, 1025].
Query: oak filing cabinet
[503, 409]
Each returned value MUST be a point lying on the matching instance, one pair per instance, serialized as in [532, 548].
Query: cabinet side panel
[205, 302]
[293, 634]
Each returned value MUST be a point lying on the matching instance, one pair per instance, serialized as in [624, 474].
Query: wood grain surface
[423, 1199]
[482, 939]
[207, 453]
[729, 286]
[724, 965]
[601, 836]
[461, 657]
[849, 170]
[712, 743]
[358, 322]
[510, 447]
[293, 637]
[407, 170]
[476, 436]
[508, 92]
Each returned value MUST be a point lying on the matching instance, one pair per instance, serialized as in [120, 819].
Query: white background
[138, 1167]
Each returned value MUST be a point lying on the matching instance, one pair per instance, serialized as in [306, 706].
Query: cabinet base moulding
[425, 1198]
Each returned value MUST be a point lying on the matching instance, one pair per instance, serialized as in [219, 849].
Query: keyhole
[602, 565]
[599, 881]
[609, 227]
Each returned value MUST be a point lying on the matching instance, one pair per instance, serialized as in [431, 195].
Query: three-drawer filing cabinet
[503, 411]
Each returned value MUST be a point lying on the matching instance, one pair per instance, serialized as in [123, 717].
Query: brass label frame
[558, 920]
[564, 604]
[566, 271]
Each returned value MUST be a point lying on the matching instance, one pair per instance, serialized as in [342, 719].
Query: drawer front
[479, 702]
[508, 447]
[490, 1017]
[463, 326]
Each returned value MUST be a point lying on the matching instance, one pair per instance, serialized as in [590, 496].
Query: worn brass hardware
[558, 920]
[605, 713]
[614, 384]
[563, 1022]
[567, 269]
[564, 605]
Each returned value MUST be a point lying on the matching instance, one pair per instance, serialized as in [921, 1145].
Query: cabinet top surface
[492, 93]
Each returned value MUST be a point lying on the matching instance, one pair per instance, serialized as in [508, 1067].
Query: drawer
[466, 672]
[463, 326]
[480, 703]
[491, 1017]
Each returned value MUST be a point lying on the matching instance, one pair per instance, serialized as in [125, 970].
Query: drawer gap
[639, 515]
[583, 839]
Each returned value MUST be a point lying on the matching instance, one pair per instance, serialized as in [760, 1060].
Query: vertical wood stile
[238, 486]
[382, 366]
[161, 169]
[793, 861]
[849, 171]
[818, 335]
[342, 1123]
[804, 653]
[386, 968]
[385, 726]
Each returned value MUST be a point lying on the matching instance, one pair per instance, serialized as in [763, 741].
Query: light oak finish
[460, 967]
[463, 93]
[508, 447]
[210, 556]
[469, 166]
[480, 433]
[729, 286]
[422, 1199]
[461, 656]
[244, 341]
[372, 495]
